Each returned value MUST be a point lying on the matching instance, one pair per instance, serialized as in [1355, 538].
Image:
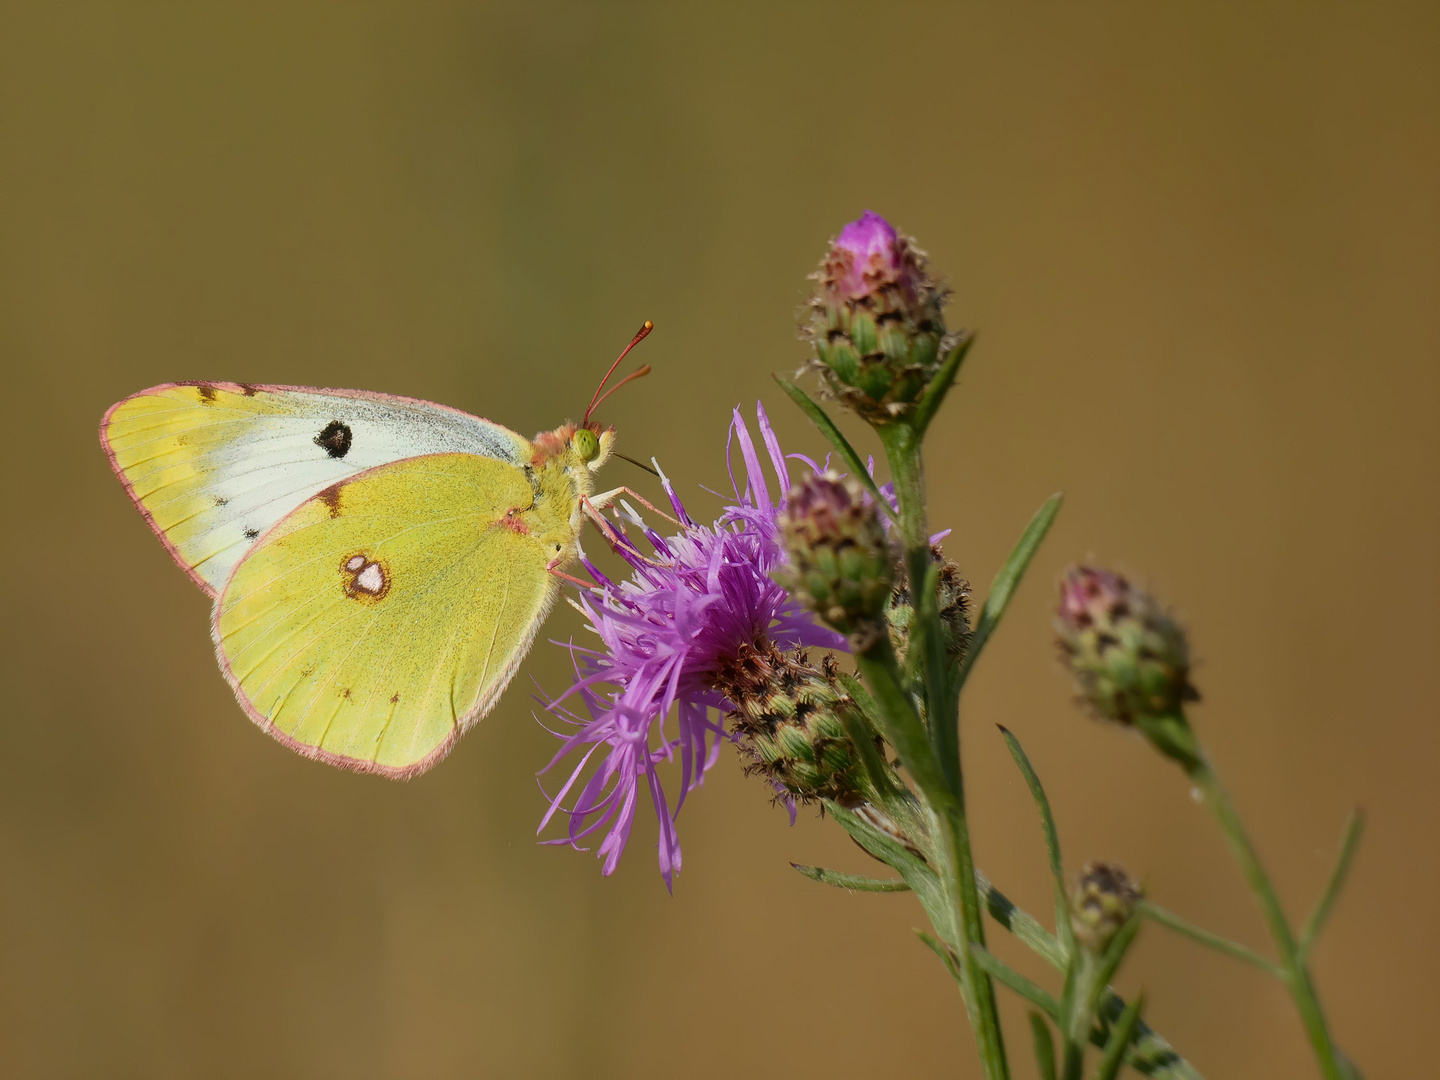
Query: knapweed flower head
[1128, 656]
[668, 633]
[841, 563]
[953, 602]
[1104, 900]
[876, 320]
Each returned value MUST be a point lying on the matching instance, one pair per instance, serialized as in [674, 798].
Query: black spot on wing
[207, 393]
[334, 439]
[251, 534]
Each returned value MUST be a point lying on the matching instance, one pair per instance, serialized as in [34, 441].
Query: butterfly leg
[607, 530]
[571, 578]
[605, 498]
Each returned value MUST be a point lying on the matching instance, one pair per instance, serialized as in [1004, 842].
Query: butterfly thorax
[561, 474]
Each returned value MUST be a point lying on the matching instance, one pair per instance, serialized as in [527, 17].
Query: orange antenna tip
[595, 401]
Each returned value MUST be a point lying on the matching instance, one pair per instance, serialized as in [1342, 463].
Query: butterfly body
[379, 565]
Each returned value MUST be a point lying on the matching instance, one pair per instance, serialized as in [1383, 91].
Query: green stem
[1078, 1004]
[907, 470]
[1297, 978]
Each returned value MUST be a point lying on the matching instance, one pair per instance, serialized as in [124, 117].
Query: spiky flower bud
[1129, 658]
[789, 716]
[875, 320]
[841, 566]
[1103, 902]
[954, 604]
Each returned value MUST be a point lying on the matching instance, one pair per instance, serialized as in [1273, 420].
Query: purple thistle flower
[873, 250]
[665, 632]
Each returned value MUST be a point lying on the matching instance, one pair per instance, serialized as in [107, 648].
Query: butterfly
[379, 565]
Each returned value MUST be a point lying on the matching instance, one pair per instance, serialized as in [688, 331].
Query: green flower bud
[1103, 902]
[789, 716]
[875, 321]
[1129, 658]
[954, 602]
[841, 566]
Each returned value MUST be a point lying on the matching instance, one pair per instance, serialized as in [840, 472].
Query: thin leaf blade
[1052, 839]
[1007, 579]
[851, 882]
[821, 419]
[1044, 1044]
[1120, 1037]
[929, 404]
[1349, 844]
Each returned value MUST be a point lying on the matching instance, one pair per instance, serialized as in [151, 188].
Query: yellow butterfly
[380, 565]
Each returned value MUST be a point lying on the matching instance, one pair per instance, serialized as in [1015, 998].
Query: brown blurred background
[1202, 246]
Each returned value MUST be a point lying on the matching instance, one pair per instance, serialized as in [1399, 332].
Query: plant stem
[902, 450]
[1296, 977]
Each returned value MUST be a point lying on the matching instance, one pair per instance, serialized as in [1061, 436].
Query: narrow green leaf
[1151, 1055]
[853, 462]
[1120, 1036]
[929, 404]
[1006, 580]
[853, 882]
[1020, 923]
[1002, 972]
[898, 857]
[943, 952]
[901, 724]
[1349, 844]
[1044, 1046]
[1052, 839]
[1119, 945]
[1230, 948]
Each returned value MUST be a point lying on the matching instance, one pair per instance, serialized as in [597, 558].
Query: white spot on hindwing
[364, 578]
[371, 578]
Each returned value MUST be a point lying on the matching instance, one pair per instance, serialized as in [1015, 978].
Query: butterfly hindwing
[384, 615]
[213, 466]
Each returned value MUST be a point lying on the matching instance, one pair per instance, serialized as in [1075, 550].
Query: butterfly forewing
[383, 616]
[213, 466]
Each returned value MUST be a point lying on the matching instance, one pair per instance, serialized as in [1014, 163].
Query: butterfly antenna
[594, 401]
[641, 464]
[638, 373]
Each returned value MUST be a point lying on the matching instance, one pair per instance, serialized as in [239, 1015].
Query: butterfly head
[576, 446]
[587, 445]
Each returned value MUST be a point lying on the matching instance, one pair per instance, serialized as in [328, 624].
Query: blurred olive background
[1202, 246]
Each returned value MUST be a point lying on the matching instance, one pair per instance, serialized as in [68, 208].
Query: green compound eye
[587, 444]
